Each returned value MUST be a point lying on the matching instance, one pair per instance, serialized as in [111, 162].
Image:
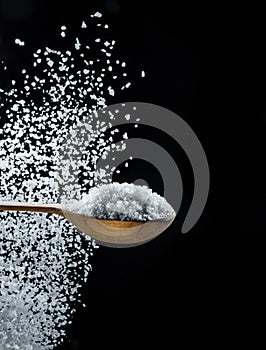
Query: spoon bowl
[111, 233]
[118, 233]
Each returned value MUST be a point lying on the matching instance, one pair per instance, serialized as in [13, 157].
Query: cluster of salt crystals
[124, 201]
[42, 258]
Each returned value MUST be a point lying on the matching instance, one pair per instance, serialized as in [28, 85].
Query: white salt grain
[97, 14]
[124, 201]
[19, 42]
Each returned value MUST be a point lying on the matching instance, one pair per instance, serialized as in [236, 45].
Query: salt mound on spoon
[124, 201]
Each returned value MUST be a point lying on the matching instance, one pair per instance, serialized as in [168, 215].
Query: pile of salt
[124, 201]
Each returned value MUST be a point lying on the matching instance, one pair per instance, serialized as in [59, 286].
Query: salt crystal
[77, 44]
[97, 14]
[143, 74]
[19, 42]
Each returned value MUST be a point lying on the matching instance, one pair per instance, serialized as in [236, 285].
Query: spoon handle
[36, 207]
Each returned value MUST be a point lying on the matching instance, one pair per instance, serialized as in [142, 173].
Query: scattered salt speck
[127, 116]
[126, 165]
[97, 14]
[63, 28]
[111, 91]
[106, 26]
[136, 125]
[77, 44]
[97, 40]
[19, 42]
[143, 74]
[83, 25]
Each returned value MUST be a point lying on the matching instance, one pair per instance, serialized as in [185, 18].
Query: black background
[205, 61]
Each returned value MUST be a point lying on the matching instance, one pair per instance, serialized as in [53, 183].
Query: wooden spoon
[112, 233]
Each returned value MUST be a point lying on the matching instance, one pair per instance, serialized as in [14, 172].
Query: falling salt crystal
[19, 42]
[126, 165]
[106, 26]
[136, 125]
[97, 40]
[83, 25]
[97, 14]
[143, 74]
[111, 91]
[77, 44]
